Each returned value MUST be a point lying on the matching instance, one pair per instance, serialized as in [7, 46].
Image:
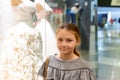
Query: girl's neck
[67, 56]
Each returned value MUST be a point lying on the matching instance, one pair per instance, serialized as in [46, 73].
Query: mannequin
[16, 2]
[21, 52]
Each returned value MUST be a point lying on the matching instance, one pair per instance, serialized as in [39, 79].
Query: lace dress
[21, 52]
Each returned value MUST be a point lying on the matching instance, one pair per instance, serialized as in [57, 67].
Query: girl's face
[66, 41]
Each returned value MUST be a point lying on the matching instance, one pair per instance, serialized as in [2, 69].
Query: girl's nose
[63, 43]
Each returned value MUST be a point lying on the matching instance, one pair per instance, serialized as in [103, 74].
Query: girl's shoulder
[76, 64]
[74, 67]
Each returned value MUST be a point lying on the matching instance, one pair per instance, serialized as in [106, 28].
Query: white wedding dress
[21, 53]
[45, 28]
[48, 38]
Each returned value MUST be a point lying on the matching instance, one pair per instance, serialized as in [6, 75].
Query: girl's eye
[60, 40]
[69, 40]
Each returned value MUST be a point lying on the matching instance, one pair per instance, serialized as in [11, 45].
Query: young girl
[68, 64]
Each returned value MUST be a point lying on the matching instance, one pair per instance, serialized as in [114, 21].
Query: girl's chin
[64, 52]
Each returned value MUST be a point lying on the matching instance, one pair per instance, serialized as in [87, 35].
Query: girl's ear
[78, 43]
[16, 2]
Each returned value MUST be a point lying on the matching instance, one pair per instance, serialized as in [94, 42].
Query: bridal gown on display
[21, 53]
[47, 33]
[5, 20]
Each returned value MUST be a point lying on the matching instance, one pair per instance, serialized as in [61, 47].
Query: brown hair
[74, 29]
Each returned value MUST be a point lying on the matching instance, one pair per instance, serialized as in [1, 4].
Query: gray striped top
[77, 69]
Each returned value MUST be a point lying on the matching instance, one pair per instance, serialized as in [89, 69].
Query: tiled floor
[105, 60]
[108, 58]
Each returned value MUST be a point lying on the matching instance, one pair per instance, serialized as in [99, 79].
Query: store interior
[99, 25]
